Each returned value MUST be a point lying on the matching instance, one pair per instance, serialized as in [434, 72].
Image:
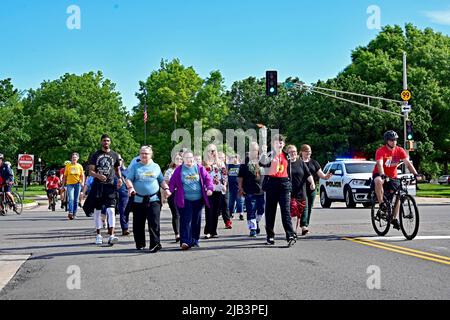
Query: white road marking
[401, 238]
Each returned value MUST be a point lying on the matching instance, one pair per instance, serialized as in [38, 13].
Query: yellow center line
[381, 246]
[405, 249]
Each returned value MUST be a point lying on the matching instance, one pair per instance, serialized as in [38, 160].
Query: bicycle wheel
[409, 217]
[18, 203]
[380, 220]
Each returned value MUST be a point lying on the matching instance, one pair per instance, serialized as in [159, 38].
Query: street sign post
[25, 163]
[406, 108]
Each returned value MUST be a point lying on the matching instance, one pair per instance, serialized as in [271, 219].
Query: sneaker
[241, 217]
[112, 240]
[228, 224]
[253, 233]
[99, 239]
[70, 216]
[395, 224]
[125, 232]
[184, 246]
[305, 231]
[383, 207]
[156, 248]
[177, 239]
[270, 241]
[207, 236]
[291, 241]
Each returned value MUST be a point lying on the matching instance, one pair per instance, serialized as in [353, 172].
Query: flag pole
[145, 117]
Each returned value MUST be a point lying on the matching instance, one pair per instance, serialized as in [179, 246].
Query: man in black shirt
[250, 185]
[103, 165]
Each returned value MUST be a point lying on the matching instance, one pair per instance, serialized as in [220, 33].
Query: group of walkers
[261, 181]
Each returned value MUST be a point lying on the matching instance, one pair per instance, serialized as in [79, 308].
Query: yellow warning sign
[406, 95]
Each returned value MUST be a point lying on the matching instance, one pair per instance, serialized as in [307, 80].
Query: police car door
[339, 182]
[333, 182]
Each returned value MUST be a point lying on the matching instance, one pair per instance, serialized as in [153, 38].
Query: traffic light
[271, 83]
[409, 130]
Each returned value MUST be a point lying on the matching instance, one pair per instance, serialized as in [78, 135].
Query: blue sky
[126, 39]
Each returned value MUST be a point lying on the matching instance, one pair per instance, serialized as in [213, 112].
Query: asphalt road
[327, 264]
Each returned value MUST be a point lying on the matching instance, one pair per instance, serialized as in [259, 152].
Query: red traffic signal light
[271, 83]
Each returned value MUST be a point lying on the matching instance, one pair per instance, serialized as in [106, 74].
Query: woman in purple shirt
[192, 185]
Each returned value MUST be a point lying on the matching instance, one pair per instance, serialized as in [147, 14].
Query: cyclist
[6, 180]
[63, 190]
[52, 185]
[387, 159]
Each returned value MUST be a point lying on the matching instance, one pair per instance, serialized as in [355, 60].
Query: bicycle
[408, 215]
[53, 199]
[6, 203]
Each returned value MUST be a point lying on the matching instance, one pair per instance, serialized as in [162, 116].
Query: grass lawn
[32, 191]
[433, 190]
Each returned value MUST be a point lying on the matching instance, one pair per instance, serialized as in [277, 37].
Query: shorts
[297, 207]
[390, 186]
[6, 188]
[51, 191]
[105, 195]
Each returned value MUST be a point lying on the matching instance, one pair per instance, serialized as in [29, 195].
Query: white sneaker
[113, 240]
[99, 239]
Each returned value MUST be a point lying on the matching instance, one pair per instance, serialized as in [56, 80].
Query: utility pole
[405, 116]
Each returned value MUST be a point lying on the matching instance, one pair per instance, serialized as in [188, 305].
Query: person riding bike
[62, 190]
[6, 179]
[387, 158]
[52, 185]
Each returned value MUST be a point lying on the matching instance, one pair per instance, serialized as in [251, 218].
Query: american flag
[145, 112]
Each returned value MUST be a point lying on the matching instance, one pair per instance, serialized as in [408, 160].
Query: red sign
[26, 162]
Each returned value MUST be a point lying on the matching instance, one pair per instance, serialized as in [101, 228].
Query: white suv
[350, 183]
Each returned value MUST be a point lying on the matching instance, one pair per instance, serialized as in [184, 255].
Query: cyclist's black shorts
[105, 195]
[5, 188]
[389, 186]
[51, 191]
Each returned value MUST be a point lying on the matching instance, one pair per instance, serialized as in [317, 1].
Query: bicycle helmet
[52, 173]
[390, 135]
[67, 162]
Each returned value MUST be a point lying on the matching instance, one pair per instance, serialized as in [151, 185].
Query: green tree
[13, 123]
[175, 97]
[71, 113]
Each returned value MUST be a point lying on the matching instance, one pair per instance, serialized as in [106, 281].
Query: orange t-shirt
[279, 166]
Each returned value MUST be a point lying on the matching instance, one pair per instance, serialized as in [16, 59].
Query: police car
[350, 183]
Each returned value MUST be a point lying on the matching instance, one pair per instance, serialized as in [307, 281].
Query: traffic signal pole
[405, 116]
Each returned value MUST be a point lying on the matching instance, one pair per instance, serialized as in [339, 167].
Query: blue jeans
[234, 198]
[123, 201]
[190, 221]
[255, 209]
[73, 193]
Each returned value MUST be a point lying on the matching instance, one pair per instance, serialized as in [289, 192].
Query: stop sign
[26, 162]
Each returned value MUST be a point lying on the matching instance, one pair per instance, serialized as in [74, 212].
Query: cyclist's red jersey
[53, 183]
[391, 159]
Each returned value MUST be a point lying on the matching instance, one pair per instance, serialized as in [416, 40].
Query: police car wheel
[349, 202]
